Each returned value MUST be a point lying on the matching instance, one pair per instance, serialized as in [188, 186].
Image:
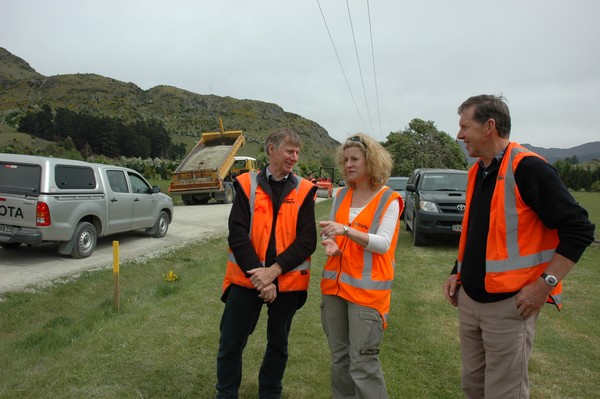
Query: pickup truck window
[74, 177]
[20, 178]
[117, 181]
[138, 184]
[444, 182]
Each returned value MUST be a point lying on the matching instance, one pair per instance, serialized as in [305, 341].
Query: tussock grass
[66, 340]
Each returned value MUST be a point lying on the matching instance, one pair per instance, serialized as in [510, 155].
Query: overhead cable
[359, 68]
[341, 66]
[374, 71]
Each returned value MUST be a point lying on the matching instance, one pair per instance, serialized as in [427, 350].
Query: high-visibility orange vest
[519, 246]
[261, 224]
[360, 276]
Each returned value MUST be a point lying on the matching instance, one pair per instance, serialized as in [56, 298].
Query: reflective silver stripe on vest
[252, 199]
[365, 282]
[339, 198]
[515, 261]
[231, 258]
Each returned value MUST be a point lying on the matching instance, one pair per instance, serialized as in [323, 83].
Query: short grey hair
[278, 136]
[489, 106]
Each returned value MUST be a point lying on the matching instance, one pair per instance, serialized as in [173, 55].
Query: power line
[374, 71]
[341, 66]
[359, 67]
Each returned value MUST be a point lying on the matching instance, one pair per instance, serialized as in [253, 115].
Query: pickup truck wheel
[419, 238]
[162, 225]
[84, 240]
[10, 245]
[406, 225]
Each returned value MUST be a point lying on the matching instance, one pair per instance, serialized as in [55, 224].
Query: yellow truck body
[205, 172]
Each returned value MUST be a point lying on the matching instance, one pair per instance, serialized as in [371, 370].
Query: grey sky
[543, 55]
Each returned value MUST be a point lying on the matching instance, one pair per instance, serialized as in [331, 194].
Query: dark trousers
[240, 316]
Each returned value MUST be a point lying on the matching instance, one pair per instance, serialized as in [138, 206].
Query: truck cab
[243, 164]
[435, 203]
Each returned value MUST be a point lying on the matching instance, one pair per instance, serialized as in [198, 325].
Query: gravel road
[28, 267]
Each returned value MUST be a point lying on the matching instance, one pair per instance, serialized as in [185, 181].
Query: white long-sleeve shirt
[380, 241]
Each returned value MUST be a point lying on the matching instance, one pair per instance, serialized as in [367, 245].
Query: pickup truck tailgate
[19, 188]
[17, 211]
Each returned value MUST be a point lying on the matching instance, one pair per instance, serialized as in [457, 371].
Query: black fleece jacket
[239, 226]
[543, 191]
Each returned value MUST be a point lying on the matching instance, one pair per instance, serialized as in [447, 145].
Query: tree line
[576, 177]
[419, 145]
[91, 134]
[422, 145]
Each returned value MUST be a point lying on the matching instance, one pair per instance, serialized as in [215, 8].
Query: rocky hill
[182, 112]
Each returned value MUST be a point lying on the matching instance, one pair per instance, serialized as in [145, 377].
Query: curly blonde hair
[379, 160]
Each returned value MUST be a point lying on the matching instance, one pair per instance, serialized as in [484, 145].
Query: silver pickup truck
[74, 202]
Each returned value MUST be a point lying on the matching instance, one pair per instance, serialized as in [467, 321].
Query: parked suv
[73, 203]
[435, 203]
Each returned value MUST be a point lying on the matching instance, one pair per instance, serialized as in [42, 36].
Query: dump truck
[208, 170]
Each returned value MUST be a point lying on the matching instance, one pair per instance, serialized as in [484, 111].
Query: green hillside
[184, 114]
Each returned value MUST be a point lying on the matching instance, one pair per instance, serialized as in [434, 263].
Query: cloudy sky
[355, 65]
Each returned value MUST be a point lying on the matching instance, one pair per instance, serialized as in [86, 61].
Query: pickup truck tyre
[10, 245]
[84, 240]
[162, 225]
[406, 225]
[419, 238]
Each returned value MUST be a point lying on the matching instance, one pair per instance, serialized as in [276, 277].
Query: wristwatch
[346, 230]
[550, 279]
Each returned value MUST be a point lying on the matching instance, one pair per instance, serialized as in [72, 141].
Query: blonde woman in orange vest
[359, 239]
[522, 234]
[272, 234]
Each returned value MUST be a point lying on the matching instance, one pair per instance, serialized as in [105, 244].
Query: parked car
[73, 203]
[398, 184]
[435, 203]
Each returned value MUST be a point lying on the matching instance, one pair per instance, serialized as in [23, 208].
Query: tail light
[42, 214]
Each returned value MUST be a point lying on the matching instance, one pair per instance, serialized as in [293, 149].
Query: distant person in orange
[272, 235]
[360, 240]
[522, 234]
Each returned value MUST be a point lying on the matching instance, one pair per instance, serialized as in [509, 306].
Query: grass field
[66, 341]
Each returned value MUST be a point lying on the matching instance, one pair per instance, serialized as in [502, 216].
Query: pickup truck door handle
[113, 200]
[137, 200]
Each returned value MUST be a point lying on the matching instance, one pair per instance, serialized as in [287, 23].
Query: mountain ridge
[584, 152]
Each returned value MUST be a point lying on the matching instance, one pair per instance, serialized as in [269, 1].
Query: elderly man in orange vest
[272, 234]
[522, 234]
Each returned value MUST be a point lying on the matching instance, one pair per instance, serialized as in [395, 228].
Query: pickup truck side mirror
[410, 187]
[155, 189]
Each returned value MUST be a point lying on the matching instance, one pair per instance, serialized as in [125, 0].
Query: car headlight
[429, 206]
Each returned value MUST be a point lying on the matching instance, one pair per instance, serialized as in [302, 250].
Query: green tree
[261, 158]
[576, 177]
[422, 145]
[38, 123]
